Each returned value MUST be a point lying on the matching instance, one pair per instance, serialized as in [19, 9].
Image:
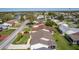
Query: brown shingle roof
[11, 22]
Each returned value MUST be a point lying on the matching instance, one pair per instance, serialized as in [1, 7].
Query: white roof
[64, 27]
[6, 24]
[40, 16]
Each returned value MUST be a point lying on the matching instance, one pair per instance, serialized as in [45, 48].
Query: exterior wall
[78, 42]
[68, 38]
[74, 42]
[71, 40]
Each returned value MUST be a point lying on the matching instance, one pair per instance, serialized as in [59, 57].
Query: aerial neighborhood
[39, 30]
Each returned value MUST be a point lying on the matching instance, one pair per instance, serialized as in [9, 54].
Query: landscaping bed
[21, 39]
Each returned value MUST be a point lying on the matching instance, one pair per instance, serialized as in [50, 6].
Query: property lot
[6, 32]
[21, 39]
[62, 42]
[41, 39]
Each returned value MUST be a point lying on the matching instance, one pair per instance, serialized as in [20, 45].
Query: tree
[51, 14]
[22, 18]
[61, 17]
[77, 15]
[7, 17]
[49, 23]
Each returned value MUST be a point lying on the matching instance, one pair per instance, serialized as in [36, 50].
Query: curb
[28, 42]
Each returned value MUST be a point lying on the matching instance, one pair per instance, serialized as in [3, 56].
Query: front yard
[6, 32]
[22, 38]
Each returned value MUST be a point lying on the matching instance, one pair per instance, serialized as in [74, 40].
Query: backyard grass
[6, 32]
[21, 39]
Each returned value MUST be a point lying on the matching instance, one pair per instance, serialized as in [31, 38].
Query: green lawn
[62, 43]
[6, 32]
[21, 39]
[26, 29]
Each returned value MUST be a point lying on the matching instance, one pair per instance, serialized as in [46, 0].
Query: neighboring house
[63, 28]
[66, 17]
[17, 17]
[75, 19]
[2, 37]
[3, 27]
[7, 24]
[56, 17]
[40, 17]
[12, 22]
[70, 17]
[73, 35]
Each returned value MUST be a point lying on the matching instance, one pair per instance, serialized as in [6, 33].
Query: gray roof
[75, 36]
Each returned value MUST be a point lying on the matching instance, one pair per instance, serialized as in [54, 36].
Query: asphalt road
[11, 37]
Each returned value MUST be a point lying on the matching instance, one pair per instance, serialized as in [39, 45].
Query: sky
[37, 9]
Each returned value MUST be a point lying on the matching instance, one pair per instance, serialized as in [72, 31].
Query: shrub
[17, 38]
[49, 23]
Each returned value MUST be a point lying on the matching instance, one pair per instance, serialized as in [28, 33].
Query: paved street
[41, 39]
[11, 37]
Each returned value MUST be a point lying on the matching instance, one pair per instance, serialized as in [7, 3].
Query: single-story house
[75, 19]
[3, 27]
[73, 35]
[7, 24]
[12, 22]
[40, 17]
[63, 28]
[17, 17]
[56, 17]
[66, 17]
